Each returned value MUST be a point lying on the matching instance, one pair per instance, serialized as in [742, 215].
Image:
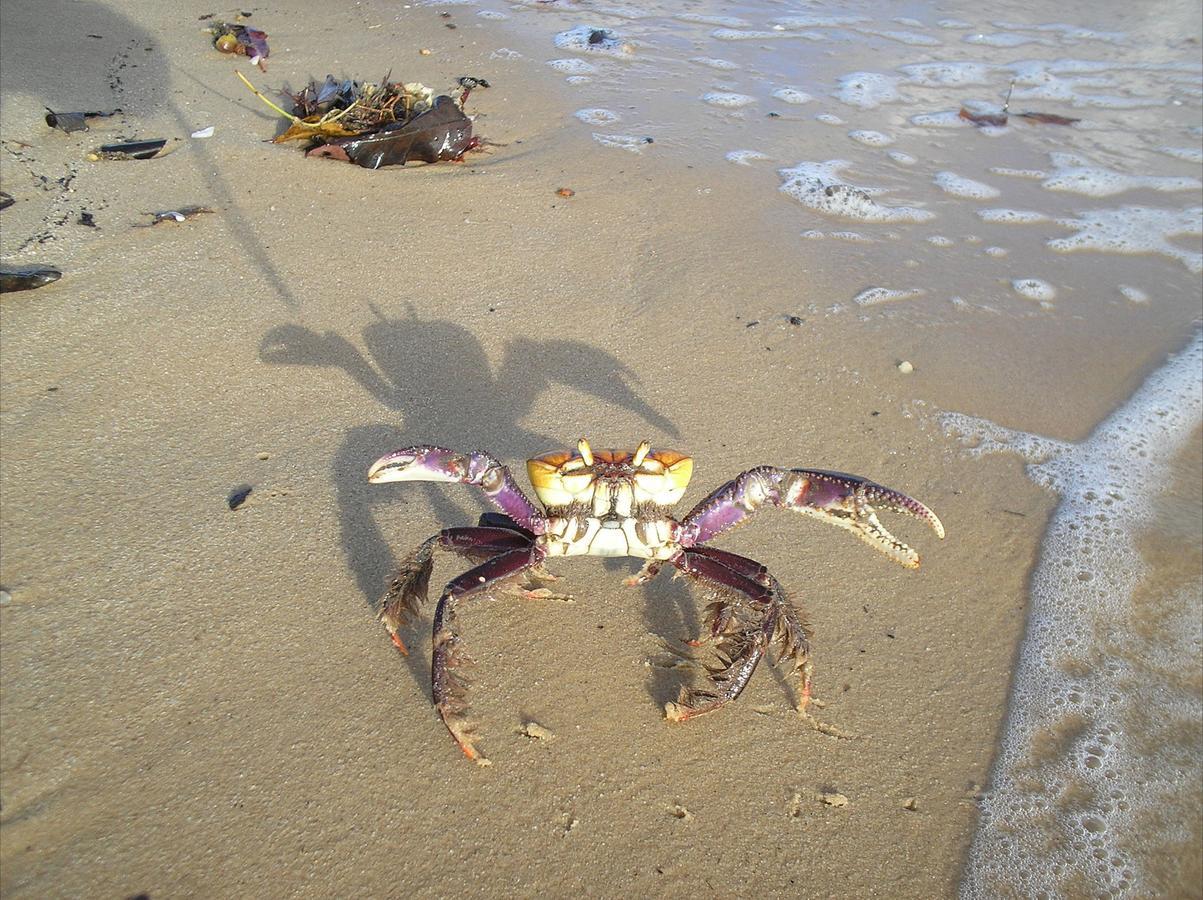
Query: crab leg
[448, 688]
[848, 501]
[742, 639]
[409, 587]
[427, 463]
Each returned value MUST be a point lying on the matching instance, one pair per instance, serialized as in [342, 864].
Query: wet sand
[198, 701]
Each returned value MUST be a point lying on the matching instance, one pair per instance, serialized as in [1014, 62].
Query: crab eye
[576, 482]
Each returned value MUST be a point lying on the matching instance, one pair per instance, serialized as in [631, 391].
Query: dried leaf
[1046, 118]
[997, 120]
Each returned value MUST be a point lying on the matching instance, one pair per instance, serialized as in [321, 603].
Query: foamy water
[1069, 731]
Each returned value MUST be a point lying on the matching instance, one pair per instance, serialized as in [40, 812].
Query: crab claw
[852, 502]
[421, 464]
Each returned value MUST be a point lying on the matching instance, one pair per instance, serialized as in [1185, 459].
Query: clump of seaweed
[376, 124]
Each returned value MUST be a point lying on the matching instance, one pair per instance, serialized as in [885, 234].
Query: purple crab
[619, 503]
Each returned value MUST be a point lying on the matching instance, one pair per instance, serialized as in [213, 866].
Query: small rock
[566, 192]
[833, 799]
[680, 812]
[425, 51]
[5, 598]
[238, 495]
[263, 456]
[905, 367]
[538, 732]
[795, 806]
[910, 803]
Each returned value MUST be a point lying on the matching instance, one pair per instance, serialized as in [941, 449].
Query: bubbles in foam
[819, 187]
[948, 74]
[505, 53]
[874, 295]
[903, 159]
[728, 100]
[587, 39]
[727, 21]
[745, 157]
[1071, 173]
[492, 15]
[959, 186]
[621, 141]
[796, 22]
[731, 34]
[1012, 216]
[1033, 289]
[852, 237]
[938, 240]
[724, 65]
[871, 138]
[1133, 295]
[792, 95]
[597, 116]
[996, 251]
[868, 90]
[1004, 39]
[1019, 173]
[572, 66]
[1134, 229]
[948, 118]
[1077, 675]
[829, 119]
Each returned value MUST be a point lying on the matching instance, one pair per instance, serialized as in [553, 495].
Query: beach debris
[238, 496]
[538, 732]
[911, 804]
[425, 51]
[566, 192]
[6, 200]
[905, 367]
[5, 598]
[204, 132]
[174, 215]
[26, 278]
[151, 149]
[87, 219]
[833, 799]
[680, 812]
[632, 493]
[230, 37]
[378, 124]
[999, 119]
[74, 121]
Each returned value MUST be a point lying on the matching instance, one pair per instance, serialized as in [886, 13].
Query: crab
[616, 503]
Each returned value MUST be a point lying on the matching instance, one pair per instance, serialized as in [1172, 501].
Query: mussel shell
[26, 278]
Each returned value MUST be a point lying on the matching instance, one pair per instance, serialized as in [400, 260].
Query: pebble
[833, 799]
[911, 803]
[5, 598]
[425, 51]
[537, 731]
[905, 367]
[263, 456]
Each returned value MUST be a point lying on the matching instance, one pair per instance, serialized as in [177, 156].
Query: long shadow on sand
[436, 377]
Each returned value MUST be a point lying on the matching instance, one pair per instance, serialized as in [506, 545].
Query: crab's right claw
[424, 463]
[852, 502]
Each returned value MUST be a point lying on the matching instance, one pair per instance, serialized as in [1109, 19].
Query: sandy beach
[198, 701]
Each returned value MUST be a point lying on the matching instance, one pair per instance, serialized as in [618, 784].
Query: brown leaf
[1046, 118]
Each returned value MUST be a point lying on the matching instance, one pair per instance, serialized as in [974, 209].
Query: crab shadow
[436, 380]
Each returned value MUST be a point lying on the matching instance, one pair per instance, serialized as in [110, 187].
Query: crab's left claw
[421, 464]
[852, 502]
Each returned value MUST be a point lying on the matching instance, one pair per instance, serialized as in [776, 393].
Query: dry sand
[197, 701]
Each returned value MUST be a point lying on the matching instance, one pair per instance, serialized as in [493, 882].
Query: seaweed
[376, 124]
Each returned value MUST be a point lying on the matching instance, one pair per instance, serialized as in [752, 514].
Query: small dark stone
[752, 324]
[648, 140]
[875, 413]
[774, 115]
[238, 495]
[86, 218]
[795, 320]
[597, 35]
